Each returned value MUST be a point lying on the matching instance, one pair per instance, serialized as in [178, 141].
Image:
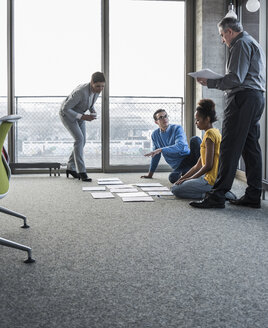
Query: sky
[58, 46]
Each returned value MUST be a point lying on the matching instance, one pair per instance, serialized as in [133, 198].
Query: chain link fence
[41, 136]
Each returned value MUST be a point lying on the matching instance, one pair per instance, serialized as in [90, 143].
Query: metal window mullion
[10, 75]
[189, 58]
[105, 95]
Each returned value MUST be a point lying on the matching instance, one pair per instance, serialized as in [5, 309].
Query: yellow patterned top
[215, 136]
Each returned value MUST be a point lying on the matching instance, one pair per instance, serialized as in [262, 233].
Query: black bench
[53, 165]
[264, 188]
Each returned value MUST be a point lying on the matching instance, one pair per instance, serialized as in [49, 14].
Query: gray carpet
[105, 263]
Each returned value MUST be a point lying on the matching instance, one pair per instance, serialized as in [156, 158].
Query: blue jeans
[196, 189]
[189, 161]
[192, 189]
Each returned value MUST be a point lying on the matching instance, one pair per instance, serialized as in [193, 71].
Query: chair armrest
[10, 118]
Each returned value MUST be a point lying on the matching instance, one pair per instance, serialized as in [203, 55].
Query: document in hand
[206, 73]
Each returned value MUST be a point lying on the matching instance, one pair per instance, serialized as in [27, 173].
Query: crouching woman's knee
[177, 190]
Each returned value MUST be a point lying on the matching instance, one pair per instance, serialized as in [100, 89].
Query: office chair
[5, 124]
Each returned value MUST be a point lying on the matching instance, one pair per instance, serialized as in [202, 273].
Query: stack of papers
[206, 73]
[133, 194]
[138, 199]
[94, 188]
[139, 196]
[148, 185]
[160, 193]
[110, 182]
[98, 195]
[120, 186]
[119, 190]
[154, 188]
[108, 179]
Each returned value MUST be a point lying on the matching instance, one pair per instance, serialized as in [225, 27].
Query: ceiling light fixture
[231, 12]
[253, 5]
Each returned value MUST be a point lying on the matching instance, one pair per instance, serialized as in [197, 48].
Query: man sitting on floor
[170, 140]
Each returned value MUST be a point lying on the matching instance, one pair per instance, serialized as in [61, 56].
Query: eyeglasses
[162, 117]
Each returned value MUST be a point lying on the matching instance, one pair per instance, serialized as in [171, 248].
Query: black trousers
[240, 135]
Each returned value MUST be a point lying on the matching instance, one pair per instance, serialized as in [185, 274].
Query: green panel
[4, 182]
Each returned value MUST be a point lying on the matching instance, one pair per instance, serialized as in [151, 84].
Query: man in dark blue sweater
[170, 141]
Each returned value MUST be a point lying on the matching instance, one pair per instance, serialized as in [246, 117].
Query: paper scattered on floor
[123, 190]
[160, 193]
[113, 182]
[109, 179]
[119, 186]
[148, 185]
[154, 188]
[94, 188]
[99, 195]
[133, 194]
[138, 199]
[128, 192]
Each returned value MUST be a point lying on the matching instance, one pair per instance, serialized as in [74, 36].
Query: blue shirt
[173, 143]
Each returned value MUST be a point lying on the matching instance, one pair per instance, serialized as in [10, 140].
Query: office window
[3, 58]
[57, 47]
[146, 73]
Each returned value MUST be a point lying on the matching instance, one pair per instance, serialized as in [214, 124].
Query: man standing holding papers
[244, 86]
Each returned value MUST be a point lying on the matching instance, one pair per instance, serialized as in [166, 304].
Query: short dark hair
[206, 108]
[232, 23]
[97, 77]
[158, 111]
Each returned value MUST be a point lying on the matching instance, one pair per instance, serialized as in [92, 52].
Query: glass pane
[57, 47]
[3, 61]
[3, 58]
[251, 21]
[146, 73]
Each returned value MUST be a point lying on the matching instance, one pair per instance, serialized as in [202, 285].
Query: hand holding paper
[205, 73]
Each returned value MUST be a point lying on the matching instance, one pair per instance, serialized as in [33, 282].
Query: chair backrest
[4, 178]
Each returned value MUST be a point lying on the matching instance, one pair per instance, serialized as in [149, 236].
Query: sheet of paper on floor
[123, 190]
[149, 184]
[154, 188]
[98, 195]
[138, 199]
[116, 182]
[94, 188]
[160, 193]
[119, 186]
[133, 194]
[109, 179]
